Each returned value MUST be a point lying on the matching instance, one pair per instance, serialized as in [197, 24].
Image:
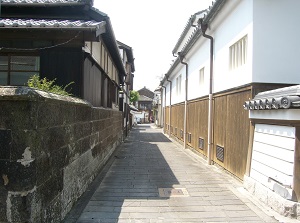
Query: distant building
[145, 103]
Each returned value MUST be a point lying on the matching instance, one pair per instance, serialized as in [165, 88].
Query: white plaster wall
[234, 22]
[276, 50]
[197, 60]
[167, 84]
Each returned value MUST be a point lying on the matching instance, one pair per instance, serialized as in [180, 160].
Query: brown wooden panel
[237, 134]
[220, 125]
[202, 111]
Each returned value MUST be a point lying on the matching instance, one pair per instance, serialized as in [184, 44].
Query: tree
[134, 96]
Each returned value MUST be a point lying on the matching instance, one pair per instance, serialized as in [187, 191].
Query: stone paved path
[135, 187]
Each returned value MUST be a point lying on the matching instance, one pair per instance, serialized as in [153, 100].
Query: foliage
[48, 85]
[134, 96]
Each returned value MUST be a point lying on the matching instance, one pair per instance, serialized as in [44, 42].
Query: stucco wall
[51, 148]
[275, 41]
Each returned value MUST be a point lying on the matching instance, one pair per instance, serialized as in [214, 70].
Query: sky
[151, 28]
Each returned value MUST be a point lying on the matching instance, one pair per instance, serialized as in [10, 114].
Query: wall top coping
[282, 98]
[30, 94]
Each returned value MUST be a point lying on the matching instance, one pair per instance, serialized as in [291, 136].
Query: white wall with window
[247, 48]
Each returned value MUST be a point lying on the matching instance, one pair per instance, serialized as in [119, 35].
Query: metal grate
[220, 153]
[201, 143]
[189, 137]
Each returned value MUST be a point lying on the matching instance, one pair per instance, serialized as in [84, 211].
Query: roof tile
[39, 1]
[9, 23]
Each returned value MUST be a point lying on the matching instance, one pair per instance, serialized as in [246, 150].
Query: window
[178, 85]
[16, 70]
[201, 77]
[238, 53]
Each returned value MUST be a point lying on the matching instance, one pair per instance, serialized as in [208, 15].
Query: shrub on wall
[48, 85]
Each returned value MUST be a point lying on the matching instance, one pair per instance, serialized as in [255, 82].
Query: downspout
[210, 94]
[170, 106]
[185, 100]
[163, 111]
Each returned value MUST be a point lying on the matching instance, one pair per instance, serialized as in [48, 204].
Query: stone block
[44, 168]
[3, 198]
[249, 184]
[17, 176]
[22, 139]
[55, 114]
[53, 138]
[82, 129]
[51, 188]
[83, 113]
[282, 206]
[18, 115]
[261, 192]
[5, 144]
[49, 115]
[52, 212]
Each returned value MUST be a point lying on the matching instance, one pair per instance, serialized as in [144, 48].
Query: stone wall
[51, 148]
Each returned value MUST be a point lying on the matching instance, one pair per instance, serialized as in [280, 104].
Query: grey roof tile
[39, 1]
[43, 23]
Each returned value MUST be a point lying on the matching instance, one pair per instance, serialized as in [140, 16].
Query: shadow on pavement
[133, 177]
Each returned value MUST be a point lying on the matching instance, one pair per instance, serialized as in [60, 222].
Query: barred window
[238, 53]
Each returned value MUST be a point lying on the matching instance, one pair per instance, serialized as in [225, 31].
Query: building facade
[231, 55]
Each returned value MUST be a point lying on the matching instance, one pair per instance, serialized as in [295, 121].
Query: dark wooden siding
[64, 64]
[92, 83]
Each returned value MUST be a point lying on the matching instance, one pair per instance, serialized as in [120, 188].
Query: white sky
[151, 28]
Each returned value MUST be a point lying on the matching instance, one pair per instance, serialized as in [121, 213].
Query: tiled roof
[288, 97]
[39, 1]
[144, 98]
[43, 23]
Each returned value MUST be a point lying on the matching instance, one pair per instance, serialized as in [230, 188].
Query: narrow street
[152, 179]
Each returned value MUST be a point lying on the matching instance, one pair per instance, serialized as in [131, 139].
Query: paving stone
[147, 161]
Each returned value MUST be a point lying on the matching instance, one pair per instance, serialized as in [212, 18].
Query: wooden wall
[64, 65]
[167, 109]
[197, 123]
[100, 53]
[231, 131]
[92, 82]
[177, 115]
[230, 127]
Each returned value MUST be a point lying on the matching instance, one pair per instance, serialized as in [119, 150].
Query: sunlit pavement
[151, 178]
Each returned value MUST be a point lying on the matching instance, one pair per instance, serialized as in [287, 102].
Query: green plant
[48, 85]
[134, 96]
